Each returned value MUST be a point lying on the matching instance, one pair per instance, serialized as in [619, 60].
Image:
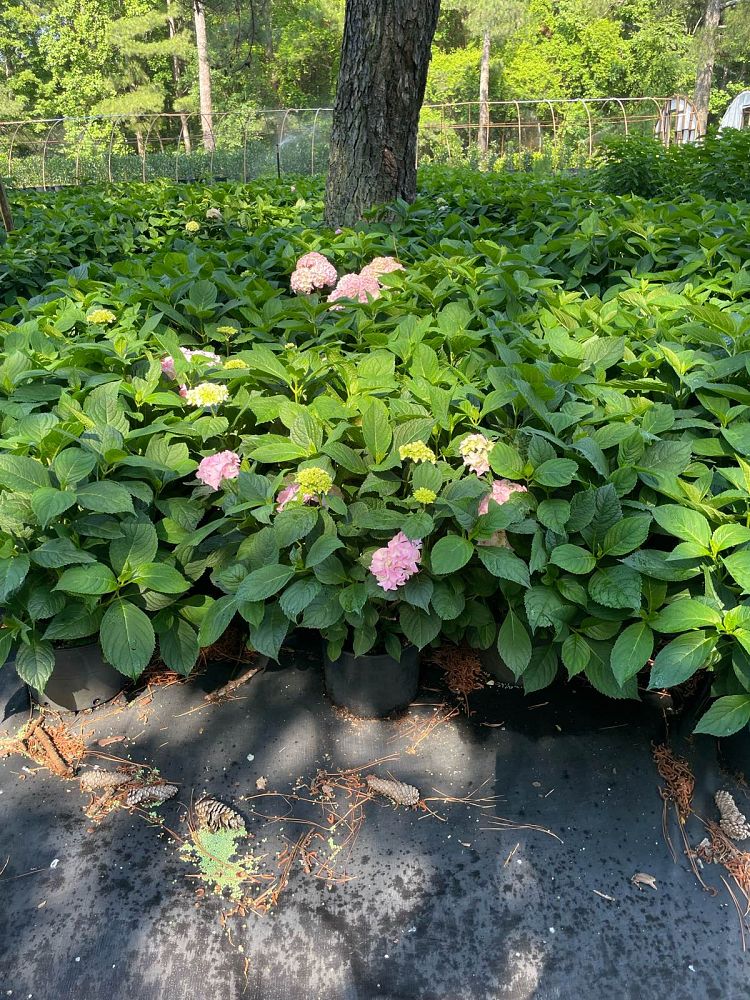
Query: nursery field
[545, 398]
[507, 425]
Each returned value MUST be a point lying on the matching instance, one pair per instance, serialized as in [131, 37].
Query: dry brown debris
[54, 747]
[717, 848]
[463, 670]
[679, 783]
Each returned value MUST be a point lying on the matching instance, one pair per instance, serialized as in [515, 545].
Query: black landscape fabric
[435, 908]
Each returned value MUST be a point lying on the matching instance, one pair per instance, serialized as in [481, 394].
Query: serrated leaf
[681, 658]
[683, 523]
[616, 587]
[576, 654]
[727, 715]
[684, 614]
[178, 647]
[162, 578]
[21, 474]
[92, 579]
[376, 429]
[127, 638]
[419, 627]
[321, 549]
[514, 644]
[105, 498]
[556, 472]
[738, 565]
[267, 637]
[13, 572]
[264, 582]
[60, 552]
[35, 663]
[217, 620]
[573, 558]
[296, 597]
[136, 545]
[503, 563]
[631, 651]
[49, 503]
[449, 554]
[628, 534]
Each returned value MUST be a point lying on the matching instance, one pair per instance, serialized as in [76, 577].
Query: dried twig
[231, 686]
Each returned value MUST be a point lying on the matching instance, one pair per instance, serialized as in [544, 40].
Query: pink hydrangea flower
[475, 451]
[214, 469]
[394, 563]
[502, 489]
[167, 364]
[313, 271]
[290, 493]
[381, 265]
[356, 286]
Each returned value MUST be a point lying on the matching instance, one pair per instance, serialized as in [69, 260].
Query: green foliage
[599, 342]
[718, 168]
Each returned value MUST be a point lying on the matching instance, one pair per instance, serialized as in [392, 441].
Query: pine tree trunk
[176, 77]
[484, 96]
[384, 60]
[706, 59]
[204, 77]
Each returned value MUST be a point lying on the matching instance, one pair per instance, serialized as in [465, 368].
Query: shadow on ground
[436, 910]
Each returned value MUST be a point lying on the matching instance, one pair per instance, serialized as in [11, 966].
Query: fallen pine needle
[510, 856]
[501, 823]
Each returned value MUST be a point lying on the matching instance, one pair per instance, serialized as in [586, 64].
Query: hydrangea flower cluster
[357, 287]
[214, 469]
[206, 394]
[425, 496]
[381, 265]
[235, 363]
[192, 227]
[289, 494]
[396, 562]
[314, 480]
[213, 213]
[226, 331]
[101, 317]
[167, 364]
[475, 451]
[313, 271]
[502, 490]
[417, 451]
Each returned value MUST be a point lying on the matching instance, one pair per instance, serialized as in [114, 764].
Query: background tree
[490, 21]
[204, 76]
[384, 59]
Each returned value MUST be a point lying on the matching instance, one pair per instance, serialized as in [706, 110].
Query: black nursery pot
[372, 686]
[81, 679]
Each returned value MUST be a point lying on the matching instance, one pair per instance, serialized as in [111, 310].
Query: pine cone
[733, 822]
[215, 815]
[95, 781]
[400, 793]
[149, 795]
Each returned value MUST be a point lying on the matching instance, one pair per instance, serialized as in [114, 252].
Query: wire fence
[242, 145]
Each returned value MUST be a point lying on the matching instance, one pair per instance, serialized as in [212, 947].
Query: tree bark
[384, 59]
[204, 77]
[484, 96]
[5, 212]
[706, 59]
[176, 77]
